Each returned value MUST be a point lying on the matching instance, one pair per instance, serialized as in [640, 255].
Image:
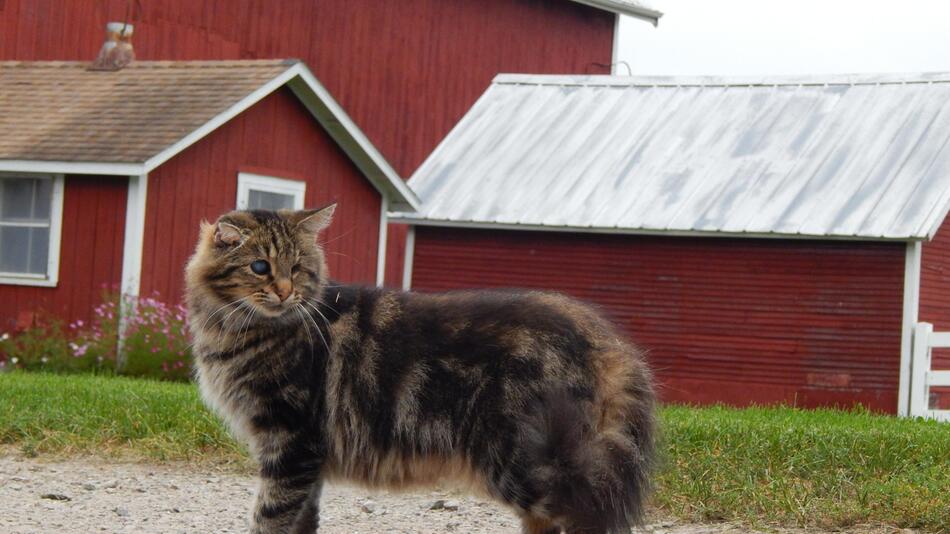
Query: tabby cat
[528, 397]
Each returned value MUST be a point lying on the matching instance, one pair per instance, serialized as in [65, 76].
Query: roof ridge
[605, 80]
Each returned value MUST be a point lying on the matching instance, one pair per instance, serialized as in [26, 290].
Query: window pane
[263, 200]
[14, 249]
[17, 198]
[43, 200]
[39, 250]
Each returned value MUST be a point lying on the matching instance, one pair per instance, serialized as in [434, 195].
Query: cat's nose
[283, 288]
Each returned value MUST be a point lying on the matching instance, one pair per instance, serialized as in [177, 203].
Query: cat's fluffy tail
[594, 472]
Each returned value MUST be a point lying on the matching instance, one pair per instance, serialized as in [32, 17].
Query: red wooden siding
[724, 320]
[90, 259]
[405, 71]
[276, 137]
[935, 299]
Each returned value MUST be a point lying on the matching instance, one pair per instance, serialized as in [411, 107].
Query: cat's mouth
[273, 308]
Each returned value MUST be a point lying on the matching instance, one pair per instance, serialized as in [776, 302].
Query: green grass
[762, 465]
[110, 416]
[808, 467]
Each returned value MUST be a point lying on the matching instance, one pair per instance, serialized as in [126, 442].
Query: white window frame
[269, 184]
[51, 278]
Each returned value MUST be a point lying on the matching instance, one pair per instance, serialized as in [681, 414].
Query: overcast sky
[789, 37]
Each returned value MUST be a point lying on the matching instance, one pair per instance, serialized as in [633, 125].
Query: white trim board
[383, 236]
[269, 184]
[912, 263]
[136, 201]
[51, 278]
[409, 258]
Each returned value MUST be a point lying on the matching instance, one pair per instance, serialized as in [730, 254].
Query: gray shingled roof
[61, 111]
[860, 157]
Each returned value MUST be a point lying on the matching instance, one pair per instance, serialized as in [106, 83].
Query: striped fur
[528, 397]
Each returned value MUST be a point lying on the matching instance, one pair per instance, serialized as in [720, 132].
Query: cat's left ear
[313, 221]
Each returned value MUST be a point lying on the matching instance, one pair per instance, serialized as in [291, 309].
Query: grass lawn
[763, 465]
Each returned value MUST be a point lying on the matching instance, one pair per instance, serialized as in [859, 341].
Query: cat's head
[268, 262]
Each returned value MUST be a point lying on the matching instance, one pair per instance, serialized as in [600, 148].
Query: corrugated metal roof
[863, 157]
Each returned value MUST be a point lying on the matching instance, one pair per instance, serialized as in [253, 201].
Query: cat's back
[513, 320]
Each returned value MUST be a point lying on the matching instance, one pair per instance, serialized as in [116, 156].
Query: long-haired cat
[528, 397]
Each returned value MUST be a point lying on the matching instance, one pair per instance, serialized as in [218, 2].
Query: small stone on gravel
[55, 497]
[88, 486]
[368, 506]
[437, 505]
[121, 512]
[450, 506]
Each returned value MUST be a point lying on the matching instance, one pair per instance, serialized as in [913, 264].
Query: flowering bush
[44, 346]
[154, 343]
[155, 340]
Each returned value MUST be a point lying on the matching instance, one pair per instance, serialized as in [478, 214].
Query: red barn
[405, 71]
[105, 176]
[767, 240]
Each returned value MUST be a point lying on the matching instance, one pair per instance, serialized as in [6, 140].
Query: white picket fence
[923, 377]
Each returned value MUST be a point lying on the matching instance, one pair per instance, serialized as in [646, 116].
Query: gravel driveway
[88, 496]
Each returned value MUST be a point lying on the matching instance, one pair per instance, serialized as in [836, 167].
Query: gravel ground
[90, 495]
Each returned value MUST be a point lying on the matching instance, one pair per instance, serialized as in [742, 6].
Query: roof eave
[73, 167]
[622, 8]
[351, 139]
[417, 220]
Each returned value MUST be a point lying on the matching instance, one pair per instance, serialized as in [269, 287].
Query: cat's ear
[313, 221]
[227, 235]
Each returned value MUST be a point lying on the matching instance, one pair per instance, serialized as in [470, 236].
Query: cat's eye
[260, 267]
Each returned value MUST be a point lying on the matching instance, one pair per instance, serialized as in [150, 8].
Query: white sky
[789, 37]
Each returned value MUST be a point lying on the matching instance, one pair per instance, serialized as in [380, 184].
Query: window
[31, 208]
[256, 192]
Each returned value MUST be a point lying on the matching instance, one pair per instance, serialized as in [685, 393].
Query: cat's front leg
[287, 494]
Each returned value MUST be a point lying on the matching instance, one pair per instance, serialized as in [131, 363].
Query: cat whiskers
[220, 308]
[316, 303]
[236, 302]
[245, 326]
[303, 302]
[296, 309]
